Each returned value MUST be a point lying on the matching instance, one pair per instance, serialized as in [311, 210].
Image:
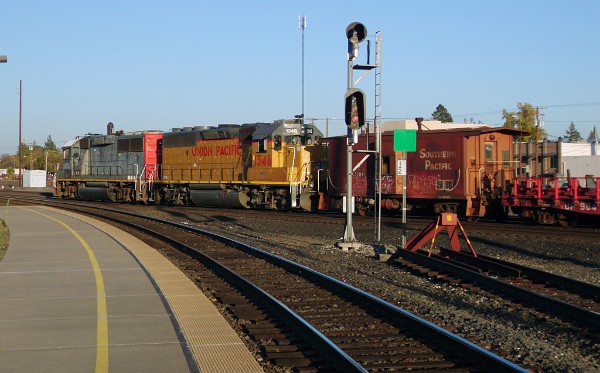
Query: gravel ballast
[529, 338]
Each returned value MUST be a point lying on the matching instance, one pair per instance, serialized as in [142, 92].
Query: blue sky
[162, 64]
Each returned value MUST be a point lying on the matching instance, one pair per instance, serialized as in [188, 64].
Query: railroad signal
[355, 32]
[355, 110]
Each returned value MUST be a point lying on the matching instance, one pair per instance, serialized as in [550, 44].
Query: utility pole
[20, 130]
[302, 26]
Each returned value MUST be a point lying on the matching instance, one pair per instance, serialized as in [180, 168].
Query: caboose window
[385, 166]
[444, 184]
[489, 152]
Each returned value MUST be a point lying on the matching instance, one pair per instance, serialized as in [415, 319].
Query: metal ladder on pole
[378, 129]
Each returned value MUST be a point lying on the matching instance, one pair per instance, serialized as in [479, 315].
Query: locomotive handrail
[291, 171]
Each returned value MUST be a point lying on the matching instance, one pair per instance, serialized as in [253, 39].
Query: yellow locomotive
[256, 165]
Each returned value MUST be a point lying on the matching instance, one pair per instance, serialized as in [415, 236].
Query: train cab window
[292, 140]
[277, 145]
[262, 145]
[490, 152]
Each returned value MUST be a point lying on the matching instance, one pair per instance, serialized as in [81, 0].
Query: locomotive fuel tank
[95, 193]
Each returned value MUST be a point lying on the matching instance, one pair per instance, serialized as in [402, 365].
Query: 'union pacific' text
[216, 151]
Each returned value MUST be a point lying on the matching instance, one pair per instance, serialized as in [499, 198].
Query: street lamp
[3, 59]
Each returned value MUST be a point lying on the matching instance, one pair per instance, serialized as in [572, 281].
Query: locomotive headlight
[311, 183]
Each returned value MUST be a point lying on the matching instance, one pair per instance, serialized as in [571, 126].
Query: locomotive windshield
[300, 140]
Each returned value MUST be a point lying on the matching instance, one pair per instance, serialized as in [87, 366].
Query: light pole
[302, 26]
[3, 59]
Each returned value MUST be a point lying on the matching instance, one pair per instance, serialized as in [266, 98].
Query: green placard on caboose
[405, 140]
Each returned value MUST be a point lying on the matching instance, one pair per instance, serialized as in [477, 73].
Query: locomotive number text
[263, 160]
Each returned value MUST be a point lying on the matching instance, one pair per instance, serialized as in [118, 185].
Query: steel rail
[530, 297]
[477, 355]
[566, 282]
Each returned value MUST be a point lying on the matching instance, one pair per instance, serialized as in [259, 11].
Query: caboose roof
[476, 131]
[435, 126]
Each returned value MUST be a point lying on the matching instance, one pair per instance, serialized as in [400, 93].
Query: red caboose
[456, 168]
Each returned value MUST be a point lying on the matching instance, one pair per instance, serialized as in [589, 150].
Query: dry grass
[4, 238]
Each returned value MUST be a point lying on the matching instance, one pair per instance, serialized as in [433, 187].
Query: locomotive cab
[286, 155]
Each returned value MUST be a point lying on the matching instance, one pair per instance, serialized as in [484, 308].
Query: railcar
[460, 169]
[118, 167]
[258, 165]
[567, 201]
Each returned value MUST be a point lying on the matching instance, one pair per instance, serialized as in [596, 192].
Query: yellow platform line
[214, 344]
[102, 324]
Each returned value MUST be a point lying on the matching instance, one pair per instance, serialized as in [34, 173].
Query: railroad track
[303, 319]
[415, 223]
[572, 300]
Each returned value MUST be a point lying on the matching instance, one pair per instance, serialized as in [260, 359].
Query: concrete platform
[77, 295]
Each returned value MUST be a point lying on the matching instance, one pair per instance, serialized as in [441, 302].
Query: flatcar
[257, 165]
[567, 201]
[463, 169]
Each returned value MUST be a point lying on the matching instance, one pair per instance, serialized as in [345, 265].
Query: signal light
[355, 108]
[355, 32]
[359, 28]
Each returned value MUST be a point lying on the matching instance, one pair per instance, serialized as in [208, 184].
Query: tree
[524, 119]
[593, 135]
[9, 161]
[49, 145]
[572, 134]
[442, 114]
